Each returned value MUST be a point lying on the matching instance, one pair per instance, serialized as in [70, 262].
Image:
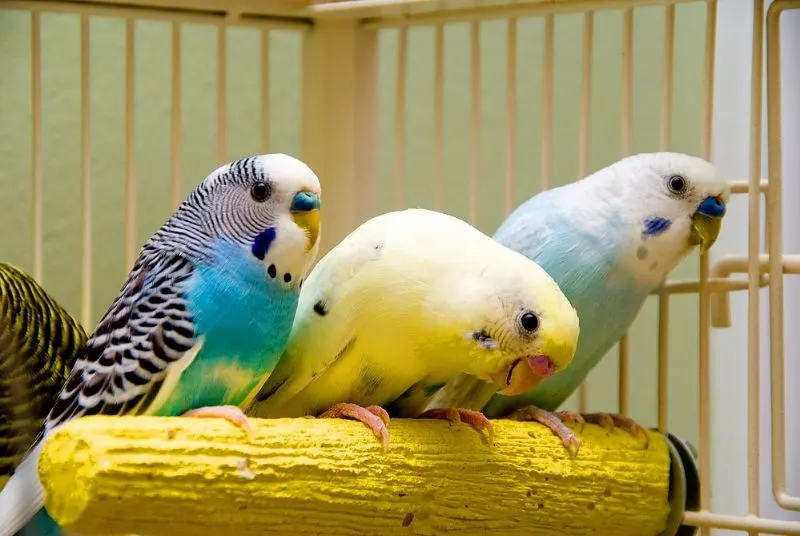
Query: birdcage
[113, 110]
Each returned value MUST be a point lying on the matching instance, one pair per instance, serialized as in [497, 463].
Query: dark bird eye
[676, 184]
[260, 191]
[529, 321]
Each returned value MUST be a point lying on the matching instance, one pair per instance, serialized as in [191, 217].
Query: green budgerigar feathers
[39, 342]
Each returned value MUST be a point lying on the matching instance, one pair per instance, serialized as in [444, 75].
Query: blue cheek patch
[262, 243]
[655, 226]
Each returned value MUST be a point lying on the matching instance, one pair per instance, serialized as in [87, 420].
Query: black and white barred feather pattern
[148, 327]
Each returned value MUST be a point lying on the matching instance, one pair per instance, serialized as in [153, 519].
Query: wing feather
[144, 337]
[147, 331]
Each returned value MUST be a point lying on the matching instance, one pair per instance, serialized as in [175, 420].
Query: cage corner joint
[174, 476]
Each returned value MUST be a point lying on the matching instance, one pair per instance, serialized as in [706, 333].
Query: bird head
[521, 329]
[267, 204]
[669, 203]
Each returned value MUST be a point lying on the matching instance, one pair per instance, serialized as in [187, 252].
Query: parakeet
[39, 342]
[203, 316]
[404, 303]
[608, 240]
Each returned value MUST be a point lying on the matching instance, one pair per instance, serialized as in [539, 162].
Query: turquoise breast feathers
[245, 317]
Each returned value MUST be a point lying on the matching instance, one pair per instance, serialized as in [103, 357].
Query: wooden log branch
[176, 476]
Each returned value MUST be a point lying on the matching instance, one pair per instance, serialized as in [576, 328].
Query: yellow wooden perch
[176, 476]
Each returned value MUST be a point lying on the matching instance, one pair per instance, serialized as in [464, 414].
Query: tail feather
[42, 525]
[22, 497]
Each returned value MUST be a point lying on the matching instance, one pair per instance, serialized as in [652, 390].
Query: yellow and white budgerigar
[403, 304]
[39, 343]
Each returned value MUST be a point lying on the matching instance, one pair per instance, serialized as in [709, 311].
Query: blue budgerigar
[203, 316]
[608, 240]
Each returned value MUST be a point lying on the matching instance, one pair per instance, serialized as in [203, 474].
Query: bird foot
[572, 417]
[609, 421]
[375, 417]
[475, 419]
[554, 421]
[232, 414]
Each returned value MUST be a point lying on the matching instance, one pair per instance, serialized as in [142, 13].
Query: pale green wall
[61, 124]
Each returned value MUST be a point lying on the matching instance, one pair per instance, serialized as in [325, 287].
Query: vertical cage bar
[705, 381]
[624, 352]
[667, 85]
[36, 147]
[130, 148]
[626, 135]
[663, 360]
[753, 269]
[547, 101]
[586, 93]
[222, 95]
[667, 77]
[705, 325]
[583, 140]
[86, 178]
[264, 93]
[365, 105]
[175, 138]
[511, 111]
[475, 120]
[774, 226]
[400, 121]
[627, 82]
[708, 79]
[767, 219]
[438, 114]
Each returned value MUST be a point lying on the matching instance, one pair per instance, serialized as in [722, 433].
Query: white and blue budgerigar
[403, 304]
[608, 240]
[202, 318]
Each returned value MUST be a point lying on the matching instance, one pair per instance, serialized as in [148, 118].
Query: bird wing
[145, 339]
[39, 343]
[146, 334]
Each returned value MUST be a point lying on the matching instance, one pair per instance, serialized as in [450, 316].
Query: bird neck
[234, 299]
[240, 280]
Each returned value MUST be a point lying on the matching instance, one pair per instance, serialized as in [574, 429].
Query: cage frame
[341, 37]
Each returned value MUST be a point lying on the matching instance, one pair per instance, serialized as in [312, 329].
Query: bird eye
[260, 191]
[529, 321]
[676, 184]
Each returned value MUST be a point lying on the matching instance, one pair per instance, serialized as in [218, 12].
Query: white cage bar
[340, 127]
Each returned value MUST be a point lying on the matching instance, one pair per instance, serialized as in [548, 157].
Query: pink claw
[374, 417]
[232, 414]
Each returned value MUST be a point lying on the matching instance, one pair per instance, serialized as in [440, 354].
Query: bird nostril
[712, 206]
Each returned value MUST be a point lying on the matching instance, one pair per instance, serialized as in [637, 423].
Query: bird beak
[523, 374]
[707, 222]
[305, 213]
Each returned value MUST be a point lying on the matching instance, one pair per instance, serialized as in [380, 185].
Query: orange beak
[523, 374]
